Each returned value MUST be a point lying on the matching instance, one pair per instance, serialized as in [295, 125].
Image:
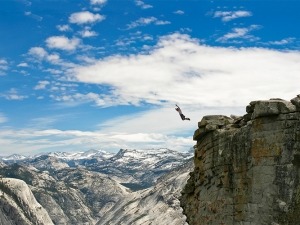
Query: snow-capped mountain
[156, 205]
[69, 156]
[94, 187]
[46, 162]
[136, 169]
[139, 169]
[14, 158]
[2, 164]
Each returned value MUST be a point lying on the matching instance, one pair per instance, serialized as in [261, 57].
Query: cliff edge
[247, 169]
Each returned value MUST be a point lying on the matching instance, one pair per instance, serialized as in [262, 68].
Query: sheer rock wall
[247, 169]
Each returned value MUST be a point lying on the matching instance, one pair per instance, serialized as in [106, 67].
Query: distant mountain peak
[14, 157]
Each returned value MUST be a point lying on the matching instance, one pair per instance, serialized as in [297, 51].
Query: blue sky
[106, 74]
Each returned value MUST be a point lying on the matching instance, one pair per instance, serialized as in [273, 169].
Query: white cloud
[3, 118]
[162, 22]
[3, 62]
[146, 21]
[231, 15]
[142, 4]
[86, 33]
[65, 27]
[156, 128]
[53, 58]
[36, 141]
[103, 100]
[179, 12]
[181, 70]
[201, 79]
[98, 2]
[54, 71]
[63, 43]
[85, 17]
[23, 64]
[41, 54]
[3, 66]
[34, 16]
[284, 41]
[15, 97]
[240, 33]
[13, 94]
[133, 38]
[38, 52]
[41, 85]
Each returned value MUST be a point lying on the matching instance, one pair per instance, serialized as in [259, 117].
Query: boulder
[218, 120]
[272, 107]
[296, 101]
[210, 123]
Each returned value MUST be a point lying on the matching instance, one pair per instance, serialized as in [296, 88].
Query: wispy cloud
[41, 54]
[146, 21]
[133, 38]
[164, 129]
[62, 43]
[87, 32]
[41, 85]
[240, 33]
[3, 66]
[34, 16]
[37, 141]
[38, 52]
[23, 65]
[85, 17]
[13, 94]
[98, 2]
[63, 28]
[180, 69]
[284, 41]
[142, 4]
[179, 12]
[79, 98]
[231, 15]
[3, 118]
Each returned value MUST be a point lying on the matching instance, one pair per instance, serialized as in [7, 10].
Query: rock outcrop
[19, 206]
[247, 169]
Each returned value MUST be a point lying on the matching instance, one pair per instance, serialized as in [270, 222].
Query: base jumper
[180, 113]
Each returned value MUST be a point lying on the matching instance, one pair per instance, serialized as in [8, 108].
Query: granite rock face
[247, 169]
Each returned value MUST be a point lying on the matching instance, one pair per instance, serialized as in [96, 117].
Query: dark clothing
[182, 116]
[180, 113]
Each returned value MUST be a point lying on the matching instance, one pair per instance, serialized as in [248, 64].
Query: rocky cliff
[19, 206]
[247, 169]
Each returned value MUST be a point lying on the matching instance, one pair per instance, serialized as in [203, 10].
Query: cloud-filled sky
[106, 74]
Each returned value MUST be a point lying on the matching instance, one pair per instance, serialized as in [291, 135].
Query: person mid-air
[180, 113]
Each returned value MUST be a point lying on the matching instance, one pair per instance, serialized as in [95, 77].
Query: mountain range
[96, 187]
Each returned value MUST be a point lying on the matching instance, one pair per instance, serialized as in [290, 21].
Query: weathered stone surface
[210, 123]
[218, 120]
[272, 107]
[296, 101]
[247, 175]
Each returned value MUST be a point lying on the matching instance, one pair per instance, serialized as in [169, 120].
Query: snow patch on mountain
[82, 155]
[2, 164]
[14, 157]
